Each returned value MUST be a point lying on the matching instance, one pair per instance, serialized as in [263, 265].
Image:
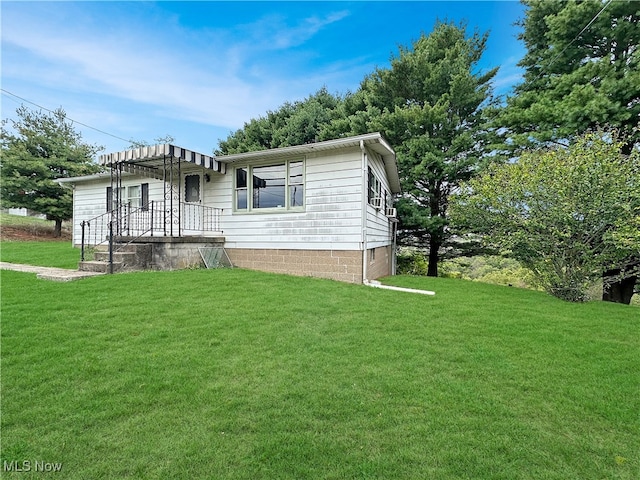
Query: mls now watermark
[29, 466]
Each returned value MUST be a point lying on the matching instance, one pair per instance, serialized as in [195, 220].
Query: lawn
[60, 254]
[30, 240]
[232, 374]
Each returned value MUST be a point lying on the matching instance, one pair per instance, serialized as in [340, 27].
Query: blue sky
[200, 70]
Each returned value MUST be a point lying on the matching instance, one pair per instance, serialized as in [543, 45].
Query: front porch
[165, 232]
[151, 253]
[181, 211]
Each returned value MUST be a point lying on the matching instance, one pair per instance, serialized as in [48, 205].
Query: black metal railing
[148, 220]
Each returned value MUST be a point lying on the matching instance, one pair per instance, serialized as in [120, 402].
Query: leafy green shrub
[489, 269]
[412, 262]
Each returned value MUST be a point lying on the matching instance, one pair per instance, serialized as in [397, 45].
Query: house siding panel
[332, 216]
[90, 199]
[379, 228]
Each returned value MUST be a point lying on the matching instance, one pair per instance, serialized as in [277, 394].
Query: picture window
[275, 186]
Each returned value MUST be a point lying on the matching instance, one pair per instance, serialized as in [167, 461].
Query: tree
[41, 148]
[568, 214]
[576, 78]
[429, 105]
[582, 69]
[156, 141]
[295, 123]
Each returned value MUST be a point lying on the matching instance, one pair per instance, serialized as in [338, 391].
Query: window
[374, 192]
[192, 188]
[269, 186]
[241, 188]
[136, 196]
[296, 185]
[276, 186]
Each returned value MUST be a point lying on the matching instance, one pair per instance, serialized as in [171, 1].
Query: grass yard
[60, 254]
[232, 374]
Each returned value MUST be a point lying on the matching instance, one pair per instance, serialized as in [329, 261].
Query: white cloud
[224, 84]
[508, 75]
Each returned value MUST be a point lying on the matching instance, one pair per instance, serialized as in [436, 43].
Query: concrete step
[97, 266]
[128, 258]
[133, 256]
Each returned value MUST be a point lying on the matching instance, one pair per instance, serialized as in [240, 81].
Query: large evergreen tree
[429, 105]
[40, 148]
[582, 69]
[294, 123]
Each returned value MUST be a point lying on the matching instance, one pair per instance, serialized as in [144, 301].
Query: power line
[7, 92]
[574, 39]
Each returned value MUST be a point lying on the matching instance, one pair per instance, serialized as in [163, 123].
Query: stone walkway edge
[49, 273]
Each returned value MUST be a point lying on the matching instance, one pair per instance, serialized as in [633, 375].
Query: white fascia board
[369, 138]
[87, 178]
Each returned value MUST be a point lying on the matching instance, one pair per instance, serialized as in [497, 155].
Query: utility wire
[7, 92]
[553, 60]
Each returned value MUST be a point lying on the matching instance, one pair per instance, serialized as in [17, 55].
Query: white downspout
[364, 213]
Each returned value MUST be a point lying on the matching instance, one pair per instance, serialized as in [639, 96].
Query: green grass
[20, 220]
[59, 254]
[232, 374]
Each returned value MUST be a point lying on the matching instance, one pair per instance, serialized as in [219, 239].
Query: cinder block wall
[342, 265]
[380, 265]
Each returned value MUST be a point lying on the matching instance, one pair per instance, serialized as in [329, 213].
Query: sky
[199, 70]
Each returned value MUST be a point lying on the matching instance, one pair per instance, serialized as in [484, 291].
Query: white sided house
[322, 209]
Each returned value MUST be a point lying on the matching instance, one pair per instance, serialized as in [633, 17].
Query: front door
[192, 218]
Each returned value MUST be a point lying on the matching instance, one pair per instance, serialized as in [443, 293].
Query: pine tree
[41, 148]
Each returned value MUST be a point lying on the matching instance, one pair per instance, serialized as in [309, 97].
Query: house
[323, 209]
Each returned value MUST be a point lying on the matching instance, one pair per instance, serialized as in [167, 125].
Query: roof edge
[367, 138]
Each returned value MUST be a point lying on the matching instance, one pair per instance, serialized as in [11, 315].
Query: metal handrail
[125, 221]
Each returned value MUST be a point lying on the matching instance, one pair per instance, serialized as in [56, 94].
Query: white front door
[192, 218]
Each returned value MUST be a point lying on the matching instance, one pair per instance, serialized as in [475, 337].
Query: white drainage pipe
[376, 284]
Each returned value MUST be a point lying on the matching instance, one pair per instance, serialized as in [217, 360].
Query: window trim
[249, 188]
[375, 189]
[125, 199]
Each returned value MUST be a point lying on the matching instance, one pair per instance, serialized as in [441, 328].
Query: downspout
[394, 246]
[364, 213]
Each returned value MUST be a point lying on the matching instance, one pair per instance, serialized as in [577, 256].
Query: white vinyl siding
[332, 216]
[90, 198]
[334, 185]
[378, 225]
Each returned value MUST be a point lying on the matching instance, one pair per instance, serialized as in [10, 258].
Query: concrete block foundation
[341, 265]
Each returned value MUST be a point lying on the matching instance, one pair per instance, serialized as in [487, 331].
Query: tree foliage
[133, 143]
[429, 105]
[576, 78]
[297, 123]
[568, 214]
[40, 148]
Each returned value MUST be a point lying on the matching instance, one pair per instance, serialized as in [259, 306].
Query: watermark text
[31, 466]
